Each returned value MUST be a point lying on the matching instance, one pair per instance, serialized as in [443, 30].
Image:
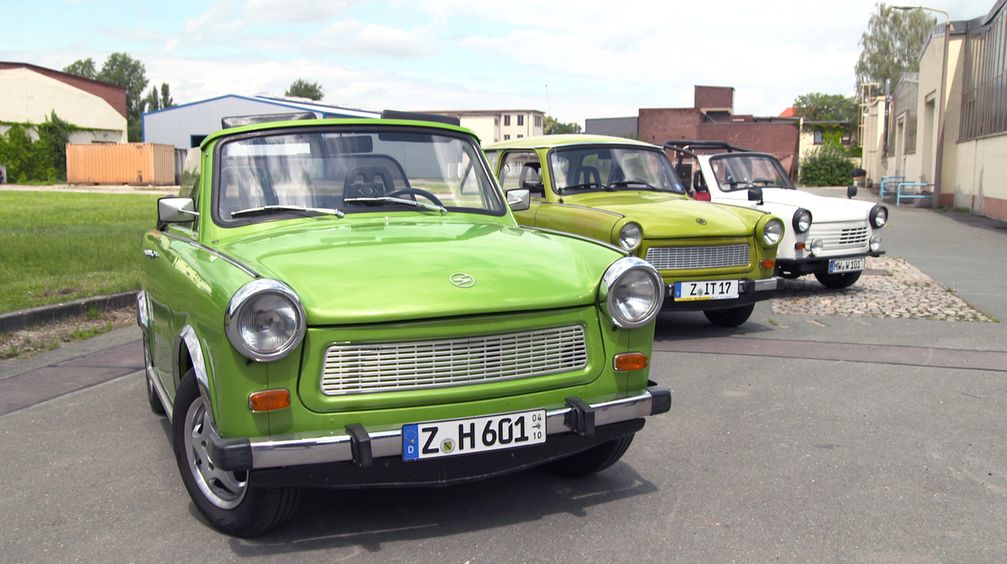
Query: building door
[929, 155]
[900, 145]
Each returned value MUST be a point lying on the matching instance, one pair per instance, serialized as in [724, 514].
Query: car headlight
[879, 216]
[633, 292]
[816, 246]
[264, 320]
[630, 236]
[802, 220]
[875, 243]
[772, 233]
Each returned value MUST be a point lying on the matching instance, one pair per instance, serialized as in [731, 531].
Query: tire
[838, 281]
[590, 461]
[228, 500]
[730, 317]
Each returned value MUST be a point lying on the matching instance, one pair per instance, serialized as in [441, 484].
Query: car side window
[522, 170]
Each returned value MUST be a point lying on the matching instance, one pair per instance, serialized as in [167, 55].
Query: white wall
[29, 97]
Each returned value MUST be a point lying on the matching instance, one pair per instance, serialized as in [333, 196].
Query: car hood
[359, 271]
[824, 209]
[666, 216]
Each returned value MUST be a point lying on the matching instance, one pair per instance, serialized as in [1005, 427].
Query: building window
[520, 119]
[519, 136]
[506, 137]
[819, 137]
[506, 119]
[538, 121]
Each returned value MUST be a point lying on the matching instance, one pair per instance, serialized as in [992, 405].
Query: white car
[826, 236]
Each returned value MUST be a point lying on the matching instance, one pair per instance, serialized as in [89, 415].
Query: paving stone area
[890, 287]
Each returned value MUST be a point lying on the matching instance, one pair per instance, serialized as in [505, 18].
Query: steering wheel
[417, 192]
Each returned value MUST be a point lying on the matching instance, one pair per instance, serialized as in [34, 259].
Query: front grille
[685, 258]
[840, 237]
[385, 367]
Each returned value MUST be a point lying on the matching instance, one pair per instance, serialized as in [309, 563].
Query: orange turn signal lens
[768, 263]
[799, 246]
[630, 361]
[269, 400]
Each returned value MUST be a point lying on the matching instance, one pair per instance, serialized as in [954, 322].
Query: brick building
[712, 118]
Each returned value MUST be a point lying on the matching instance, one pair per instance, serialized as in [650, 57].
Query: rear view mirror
[176, 210]
[518, 200]
[755, 194]
[851, 191]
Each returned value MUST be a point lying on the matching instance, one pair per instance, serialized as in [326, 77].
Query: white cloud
[352, 36]
[294, 11]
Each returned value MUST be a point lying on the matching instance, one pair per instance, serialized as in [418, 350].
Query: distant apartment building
[29, 94]
[493, 126]
[947, 124]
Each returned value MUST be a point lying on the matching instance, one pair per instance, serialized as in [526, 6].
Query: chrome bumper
[361, 446]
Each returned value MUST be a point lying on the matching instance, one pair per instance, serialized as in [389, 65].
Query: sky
[572, 59]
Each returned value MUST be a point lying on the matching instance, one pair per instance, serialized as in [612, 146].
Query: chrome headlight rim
[815, 246]
[875, 242]
[244, 296]
[616, 271]
[626, 243]
[768, 236]
[799, 214]
[879, 211]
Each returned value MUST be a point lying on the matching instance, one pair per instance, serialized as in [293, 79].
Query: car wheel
[837, 281]
[226, 499]
[730, 317]
[590, 461]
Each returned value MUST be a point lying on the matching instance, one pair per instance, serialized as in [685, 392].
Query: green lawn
[60, 246]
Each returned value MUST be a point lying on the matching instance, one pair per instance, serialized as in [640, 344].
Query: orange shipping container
[120, 163]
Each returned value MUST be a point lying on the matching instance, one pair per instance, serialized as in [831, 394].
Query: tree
[892, 44]
[552, 126]
[816, 106]
[303, 89]
[82, 67]
[154, 101]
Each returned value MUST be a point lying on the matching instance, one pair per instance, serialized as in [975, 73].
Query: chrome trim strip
[142, 317]
[621, 251]
[150, 373]
[188, 335]
[768, 284]
[234, 262]
[295, 451]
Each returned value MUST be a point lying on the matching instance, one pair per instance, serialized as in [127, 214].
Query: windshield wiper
[286, 208]
[394, 200]
[628, 183]
[582, 186]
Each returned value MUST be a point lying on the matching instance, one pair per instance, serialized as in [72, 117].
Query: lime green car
[714, 258]
[351, 303]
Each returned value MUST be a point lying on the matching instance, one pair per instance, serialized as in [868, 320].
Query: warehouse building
[186, 125]
[30, 94]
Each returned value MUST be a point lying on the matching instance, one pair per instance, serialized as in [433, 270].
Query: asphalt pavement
[792, 439]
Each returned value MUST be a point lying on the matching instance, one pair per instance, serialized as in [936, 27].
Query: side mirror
[755, 194]
[176, 210]
[851, 191]
[518, 200]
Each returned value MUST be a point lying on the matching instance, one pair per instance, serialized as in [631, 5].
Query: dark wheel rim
[220, 487]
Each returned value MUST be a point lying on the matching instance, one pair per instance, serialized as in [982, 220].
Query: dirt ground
[27, 342]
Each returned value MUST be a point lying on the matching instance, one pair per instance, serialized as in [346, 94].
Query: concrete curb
[21, 319]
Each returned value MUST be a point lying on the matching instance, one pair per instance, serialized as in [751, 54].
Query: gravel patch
[890, 287]
[27, 342]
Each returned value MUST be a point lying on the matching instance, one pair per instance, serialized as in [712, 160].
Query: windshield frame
[643, 148]
[499, 202]
[776, 164]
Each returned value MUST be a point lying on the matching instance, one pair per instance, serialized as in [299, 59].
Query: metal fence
[984, 90]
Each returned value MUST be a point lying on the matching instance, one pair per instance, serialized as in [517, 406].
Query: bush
[40, 161]
[827, 165]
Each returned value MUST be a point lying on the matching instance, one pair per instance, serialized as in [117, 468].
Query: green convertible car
[715, 258]
[350, 303]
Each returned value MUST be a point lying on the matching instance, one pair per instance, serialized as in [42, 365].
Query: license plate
[466, 436]
[847, 265]
[706, 290]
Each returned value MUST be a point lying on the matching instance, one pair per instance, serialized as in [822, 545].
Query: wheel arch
[188, 354]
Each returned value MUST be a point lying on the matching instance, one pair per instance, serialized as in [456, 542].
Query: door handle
[149, 254]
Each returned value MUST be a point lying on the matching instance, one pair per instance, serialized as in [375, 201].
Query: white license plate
[435, 439]
[847, 265]
[706, 290]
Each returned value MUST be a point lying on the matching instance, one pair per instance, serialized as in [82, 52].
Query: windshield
[577, 169]
[363, 170]
[740, 172]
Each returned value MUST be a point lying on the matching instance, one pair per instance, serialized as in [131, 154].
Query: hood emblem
[700, 221]
[462, 280]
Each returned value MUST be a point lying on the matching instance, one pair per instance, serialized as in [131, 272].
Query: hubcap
[220, 487]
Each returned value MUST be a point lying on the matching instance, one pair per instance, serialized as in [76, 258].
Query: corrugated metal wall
[121, 163]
